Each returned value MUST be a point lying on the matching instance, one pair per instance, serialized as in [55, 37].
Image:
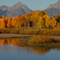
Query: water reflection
[15, 45]
[14, 42]
[38, 50]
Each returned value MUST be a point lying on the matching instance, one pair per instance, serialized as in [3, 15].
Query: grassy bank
[52, 45]
[43, 41]
[14, 37]
[37, 41]
[31, 31]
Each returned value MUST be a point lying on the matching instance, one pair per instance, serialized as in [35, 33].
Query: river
[12, 49]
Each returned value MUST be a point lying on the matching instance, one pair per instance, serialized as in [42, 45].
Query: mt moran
[15, 10]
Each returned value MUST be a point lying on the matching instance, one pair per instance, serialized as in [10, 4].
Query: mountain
[53, 9]
[15, 10]
[56, 5]
[4, 7]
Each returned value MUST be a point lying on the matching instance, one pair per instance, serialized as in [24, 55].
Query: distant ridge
[15, 10]
[53, 9]
[21, 9]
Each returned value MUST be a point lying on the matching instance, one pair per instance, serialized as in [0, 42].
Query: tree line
[37, 19]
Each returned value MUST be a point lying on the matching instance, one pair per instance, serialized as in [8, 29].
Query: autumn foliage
[37, 19]
[41, 39]
[14, 42]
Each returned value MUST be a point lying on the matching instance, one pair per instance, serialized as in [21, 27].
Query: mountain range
[15, 10]
[21, 9]
[53, 9]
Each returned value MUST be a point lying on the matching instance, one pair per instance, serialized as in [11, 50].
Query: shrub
[41, 39]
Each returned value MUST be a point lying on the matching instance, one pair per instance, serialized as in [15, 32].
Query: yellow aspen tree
[53, 22]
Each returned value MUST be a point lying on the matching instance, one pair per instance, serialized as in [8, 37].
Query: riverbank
[11, 36]
[29, 37]
[19, 35]
[30, 31]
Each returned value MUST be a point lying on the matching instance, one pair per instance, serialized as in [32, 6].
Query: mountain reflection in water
[16, 44]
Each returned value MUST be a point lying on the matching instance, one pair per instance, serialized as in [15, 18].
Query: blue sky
[32, 4]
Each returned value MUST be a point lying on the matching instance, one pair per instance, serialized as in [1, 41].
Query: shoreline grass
[26, 43]
[50, 45]
[30, 31]
[13, 37]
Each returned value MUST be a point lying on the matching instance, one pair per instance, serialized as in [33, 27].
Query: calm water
[13, 50]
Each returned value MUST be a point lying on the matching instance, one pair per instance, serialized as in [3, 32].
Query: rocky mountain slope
[15, 10]
[53, 9]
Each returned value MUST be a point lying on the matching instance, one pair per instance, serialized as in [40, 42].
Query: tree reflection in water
[38, 50]
[15, 42]
[33, 50]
